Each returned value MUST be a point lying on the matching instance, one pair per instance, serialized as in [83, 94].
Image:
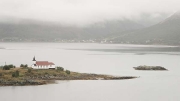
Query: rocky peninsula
[149, 68]
[29, 76]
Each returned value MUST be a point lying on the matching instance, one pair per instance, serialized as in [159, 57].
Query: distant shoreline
[157, 45]
[98, 42]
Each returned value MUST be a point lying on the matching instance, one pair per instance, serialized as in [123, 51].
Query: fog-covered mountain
[113, 31]
[36, 31]
[108, 28]
[43, 31]
[165, 32]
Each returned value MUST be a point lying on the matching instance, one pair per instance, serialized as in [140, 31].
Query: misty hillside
[33, 31]
[165, 32]
[37, 31]
[115, 31]
[108, 28]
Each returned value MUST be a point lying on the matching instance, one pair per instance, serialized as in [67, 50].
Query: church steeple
[34, 59]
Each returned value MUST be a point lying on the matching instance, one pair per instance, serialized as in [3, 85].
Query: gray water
[113, 59]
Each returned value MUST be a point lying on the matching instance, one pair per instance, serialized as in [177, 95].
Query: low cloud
[84, 12]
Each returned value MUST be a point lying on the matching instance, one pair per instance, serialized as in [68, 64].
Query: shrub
[21, 65]
[1, 74]
[29, 70]
[15, 74]
[68, 72]
[60, 68]
[24, 66]
[11, 66]
[8, 67]
[46, 72]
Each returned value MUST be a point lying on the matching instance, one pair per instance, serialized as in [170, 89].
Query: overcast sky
[82, 12]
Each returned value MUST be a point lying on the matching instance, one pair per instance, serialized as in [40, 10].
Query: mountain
[108, 28]
[36, 31]
[165, 32]
[44, 31]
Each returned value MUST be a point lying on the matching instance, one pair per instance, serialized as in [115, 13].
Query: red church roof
[44, 63]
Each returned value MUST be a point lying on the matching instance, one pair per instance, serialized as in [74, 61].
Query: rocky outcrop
[41, 80]
[21, 82]
[40, 77]
[149, 68]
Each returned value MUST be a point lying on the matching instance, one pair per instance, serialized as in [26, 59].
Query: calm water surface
[113, 59]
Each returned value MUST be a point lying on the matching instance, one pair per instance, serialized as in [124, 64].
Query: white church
[42, 64]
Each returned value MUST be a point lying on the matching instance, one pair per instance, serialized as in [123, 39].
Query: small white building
[42, 64]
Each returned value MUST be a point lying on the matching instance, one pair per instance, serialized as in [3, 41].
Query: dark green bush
[46, 73]
[68, 72]
[11, 66]
[15, 74]
[8, 67]
[1, 74]
[21, 65]
[60, 68]
[24, 66]
[29, 70]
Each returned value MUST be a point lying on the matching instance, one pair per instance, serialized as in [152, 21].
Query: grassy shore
[28, 76]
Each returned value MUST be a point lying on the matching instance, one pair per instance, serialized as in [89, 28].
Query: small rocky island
[149, 68]
[28, 76]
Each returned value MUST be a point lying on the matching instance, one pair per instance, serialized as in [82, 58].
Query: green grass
[24, 72]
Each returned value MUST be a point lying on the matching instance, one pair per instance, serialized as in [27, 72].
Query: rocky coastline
[41, 77]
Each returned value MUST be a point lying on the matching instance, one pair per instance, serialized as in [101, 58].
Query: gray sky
[83, 12]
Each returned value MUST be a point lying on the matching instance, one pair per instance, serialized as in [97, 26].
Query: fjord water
[113, 59]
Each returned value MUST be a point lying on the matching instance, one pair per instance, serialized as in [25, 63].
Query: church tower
[34, 60]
